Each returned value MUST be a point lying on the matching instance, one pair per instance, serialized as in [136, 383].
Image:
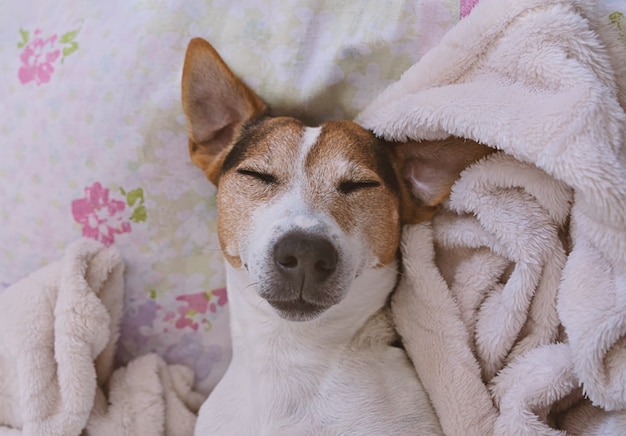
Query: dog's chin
[298, 310]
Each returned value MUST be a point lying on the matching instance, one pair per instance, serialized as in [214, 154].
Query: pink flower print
[37, 59]
[102, 218]
[197, 305]
[196, 302]
[222, 297]
[466, 7]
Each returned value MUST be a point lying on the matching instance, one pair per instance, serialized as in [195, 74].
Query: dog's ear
[428, 170]
[216, 104]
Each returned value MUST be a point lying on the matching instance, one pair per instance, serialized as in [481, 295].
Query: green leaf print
[139, 214]
[617, 18]
[68, 37]
[71, 49]
[133, 196]
[25, 37]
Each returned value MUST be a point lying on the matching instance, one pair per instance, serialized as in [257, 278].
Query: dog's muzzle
[305, 269]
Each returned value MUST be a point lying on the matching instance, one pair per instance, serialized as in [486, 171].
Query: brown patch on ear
[428, 170]
[216, 103]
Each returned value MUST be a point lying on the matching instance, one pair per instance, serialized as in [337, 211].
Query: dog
[309, 222]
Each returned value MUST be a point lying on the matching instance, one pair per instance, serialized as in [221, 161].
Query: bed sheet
[93, 139]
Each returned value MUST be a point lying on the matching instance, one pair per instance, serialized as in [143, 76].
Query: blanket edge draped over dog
[544, 81]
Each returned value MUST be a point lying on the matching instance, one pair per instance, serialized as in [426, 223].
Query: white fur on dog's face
[335, 181]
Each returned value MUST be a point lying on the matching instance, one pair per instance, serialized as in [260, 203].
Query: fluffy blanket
[56, 357]
[513, 305]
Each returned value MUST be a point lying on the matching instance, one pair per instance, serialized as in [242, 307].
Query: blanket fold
[48, 346]
[147, 397]
[57, 356]
[531, 252]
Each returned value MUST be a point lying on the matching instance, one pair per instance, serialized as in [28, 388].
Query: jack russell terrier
[309, 221]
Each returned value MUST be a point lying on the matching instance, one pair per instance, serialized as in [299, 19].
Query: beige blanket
[58, 333]
[513, 305]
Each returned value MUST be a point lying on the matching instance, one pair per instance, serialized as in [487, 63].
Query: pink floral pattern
[101, 217]
[467, 6]
[196, 307]
[40, 54]
[38, 58]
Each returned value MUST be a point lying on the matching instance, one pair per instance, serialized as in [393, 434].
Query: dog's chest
[353, 393]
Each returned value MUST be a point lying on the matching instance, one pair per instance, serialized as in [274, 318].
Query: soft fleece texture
[56, 357]
[516, 296]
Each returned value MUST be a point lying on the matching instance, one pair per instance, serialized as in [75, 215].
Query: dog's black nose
[305, 259]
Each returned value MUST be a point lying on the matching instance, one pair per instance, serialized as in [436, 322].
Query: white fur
[309, 138]
[311, 378]
[305, 221]
[333, 375]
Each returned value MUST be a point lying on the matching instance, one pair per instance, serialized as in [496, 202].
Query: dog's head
[306, 210]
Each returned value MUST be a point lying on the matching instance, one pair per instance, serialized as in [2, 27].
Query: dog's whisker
[390, 268]
[250, 285]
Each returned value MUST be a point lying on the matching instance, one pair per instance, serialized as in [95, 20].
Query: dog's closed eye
[349, 186]
[266, 178]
